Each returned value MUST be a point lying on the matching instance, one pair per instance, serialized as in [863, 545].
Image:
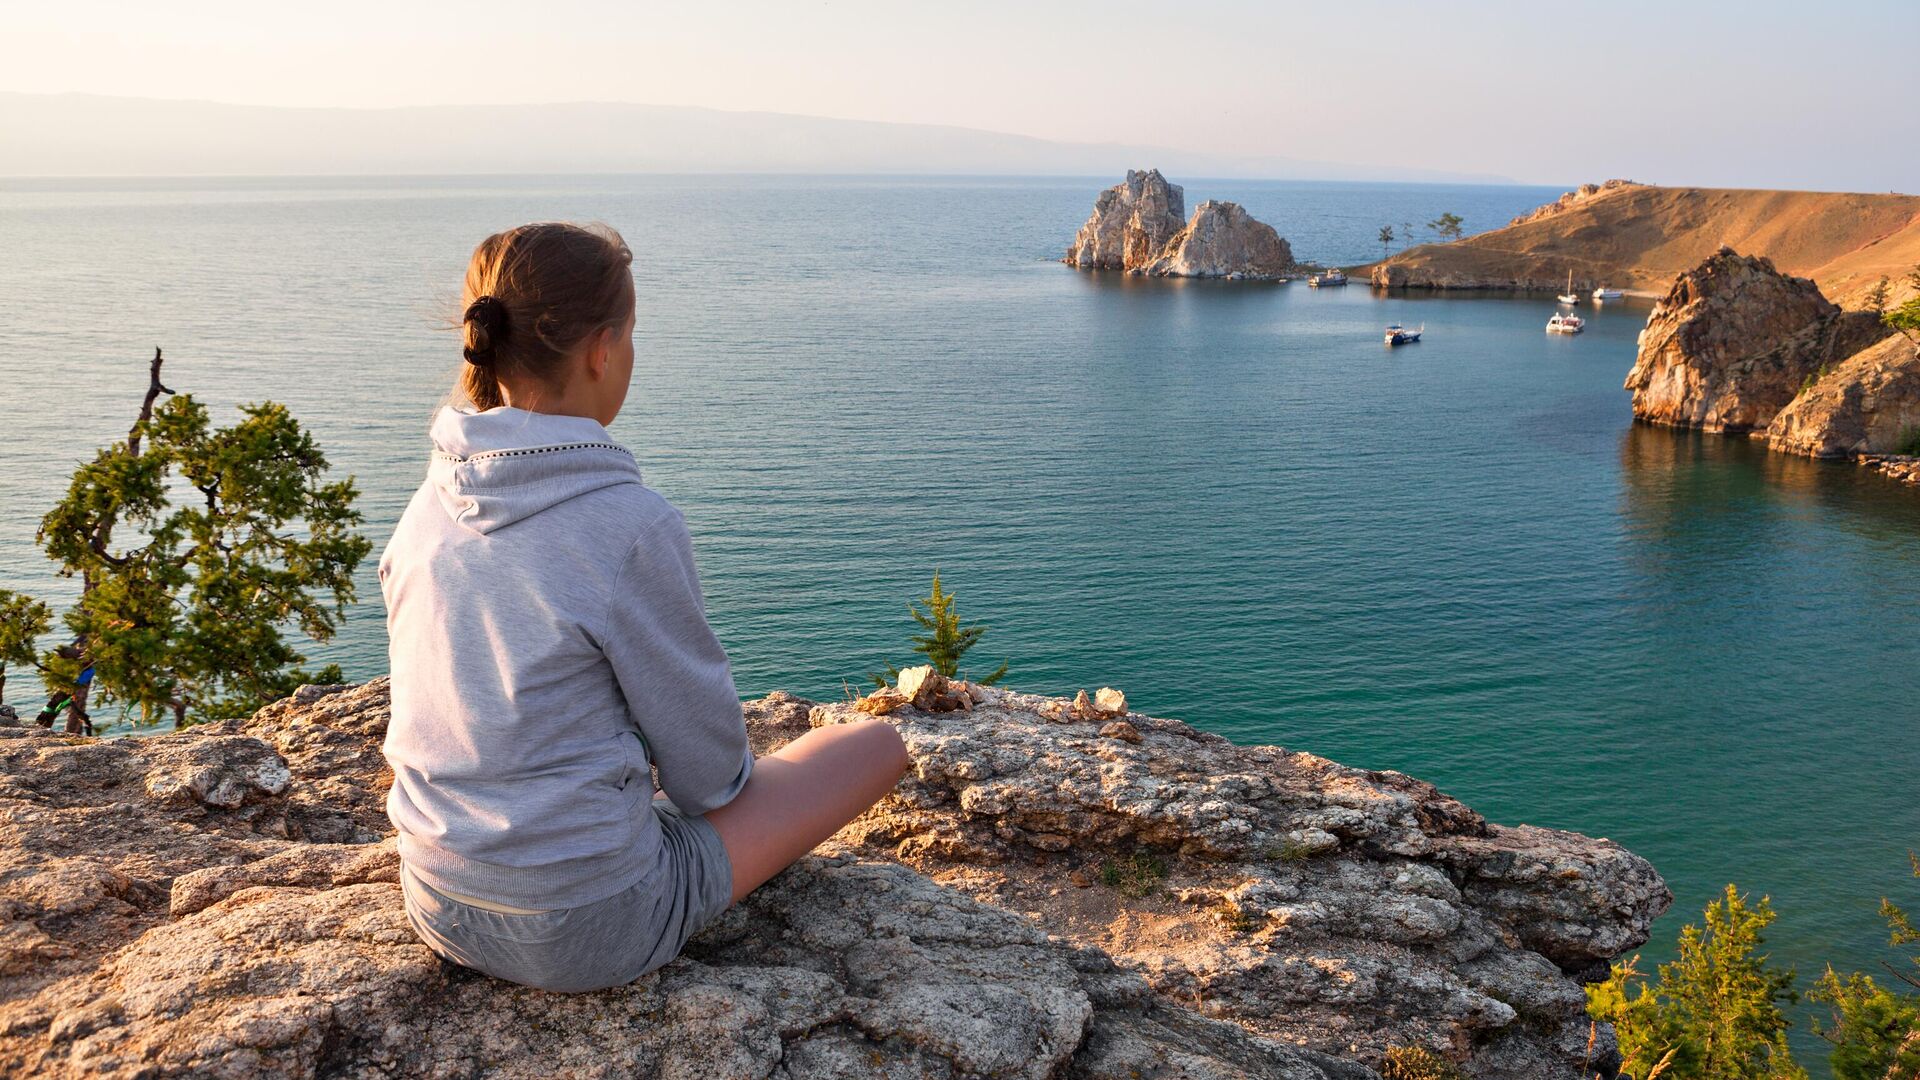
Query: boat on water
[1330, 277]
[1400, 335]
[1604, 293]
[1565, 323]
[1569, 297]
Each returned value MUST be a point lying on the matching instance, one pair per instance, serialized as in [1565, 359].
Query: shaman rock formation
[1137, 226]
[1737, 347]
[1057, 889]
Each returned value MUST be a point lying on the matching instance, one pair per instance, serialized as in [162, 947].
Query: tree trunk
[154, 390]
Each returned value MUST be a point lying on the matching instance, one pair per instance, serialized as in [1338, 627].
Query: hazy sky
[1755, 93]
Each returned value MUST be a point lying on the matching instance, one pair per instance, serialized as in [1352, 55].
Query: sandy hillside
[1638, 237]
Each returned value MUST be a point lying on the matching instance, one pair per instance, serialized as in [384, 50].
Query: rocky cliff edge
[1058, 889]
[1736, 346]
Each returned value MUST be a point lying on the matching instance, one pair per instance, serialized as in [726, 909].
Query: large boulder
[1223, 240]
[1733, 341]
[1131, 223]
[1868, 404]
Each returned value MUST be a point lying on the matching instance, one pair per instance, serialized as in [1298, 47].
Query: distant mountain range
[90, 135]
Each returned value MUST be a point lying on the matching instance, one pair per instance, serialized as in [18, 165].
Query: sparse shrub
[1875, 1032]
[1906, 317]
[1714, 1014]
[1418, 1063]
[1134, 876]
[1291, 852]
[945, 641]
[1876, 300]
[1909, 442]
[1237, 919]
[1814, 376]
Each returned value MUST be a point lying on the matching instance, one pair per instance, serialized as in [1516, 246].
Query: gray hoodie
[547, 639]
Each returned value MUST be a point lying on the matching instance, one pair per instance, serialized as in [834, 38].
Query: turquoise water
[1458, 559]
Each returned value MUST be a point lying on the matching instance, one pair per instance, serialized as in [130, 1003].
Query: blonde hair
[532, 295]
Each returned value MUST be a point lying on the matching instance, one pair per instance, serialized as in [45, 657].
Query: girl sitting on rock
[550, 653]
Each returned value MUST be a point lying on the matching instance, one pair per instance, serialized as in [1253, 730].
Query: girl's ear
[599, 351]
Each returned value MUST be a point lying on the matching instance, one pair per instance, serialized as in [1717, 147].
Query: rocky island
[1057, 889]
[1137, 226]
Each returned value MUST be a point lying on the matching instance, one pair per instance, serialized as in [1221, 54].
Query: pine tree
[192, 618]
[1876, 300]
[1714, 1013]
[1876, 1032]
[1906, 317]
[1447, 226]
[945, 640]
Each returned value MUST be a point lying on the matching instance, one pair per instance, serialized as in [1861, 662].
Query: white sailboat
[1569, 297]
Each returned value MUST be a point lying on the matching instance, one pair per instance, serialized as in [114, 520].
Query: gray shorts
[606, 943]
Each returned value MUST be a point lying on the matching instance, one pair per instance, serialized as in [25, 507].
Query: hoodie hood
[493, 468]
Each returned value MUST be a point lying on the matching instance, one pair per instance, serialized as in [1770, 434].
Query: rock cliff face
[1868, 404]
[1131, 223]
[1224, 241]
[1731, 344]
[1736, 346]
[1136, 227]
[1099, 895]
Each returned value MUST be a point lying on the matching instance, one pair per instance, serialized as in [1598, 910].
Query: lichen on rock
[1299, 917]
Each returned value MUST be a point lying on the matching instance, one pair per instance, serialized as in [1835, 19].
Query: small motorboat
[1400, 335]
[1330, 277]
[1569, 297]
[1565, 323]
[1604, 293]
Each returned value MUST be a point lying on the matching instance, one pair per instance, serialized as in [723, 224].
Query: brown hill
[1639, 237]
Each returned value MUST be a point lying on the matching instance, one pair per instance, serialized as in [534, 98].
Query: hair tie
[490, 316]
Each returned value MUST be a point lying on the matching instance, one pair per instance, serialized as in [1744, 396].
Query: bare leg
[803, 793]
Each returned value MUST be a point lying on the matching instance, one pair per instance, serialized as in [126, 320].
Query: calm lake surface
[1458, 559]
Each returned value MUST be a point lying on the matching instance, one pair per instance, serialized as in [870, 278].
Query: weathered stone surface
[1733, 342]
[1223, 241]
[1867, 404]
[839, 967]
[1180, 906]
[1574, 198]
[1131, 223]
[1136, 226]
[149, 930]
[1336, 908]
